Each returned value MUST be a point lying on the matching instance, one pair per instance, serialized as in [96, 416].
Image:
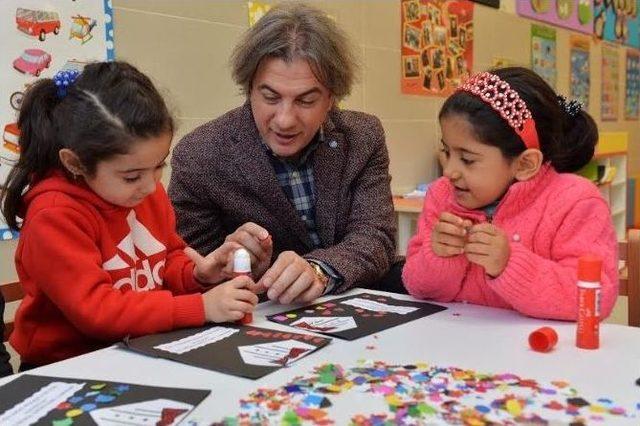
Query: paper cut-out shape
[274, 354]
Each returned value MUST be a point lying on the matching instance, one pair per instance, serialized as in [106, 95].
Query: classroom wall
[184, 46]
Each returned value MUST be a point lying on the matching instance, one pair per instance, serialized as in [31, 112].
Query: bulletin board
[436, 46]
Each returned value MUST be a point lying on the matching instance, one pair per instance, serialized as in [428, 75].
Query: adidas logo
[138, 241]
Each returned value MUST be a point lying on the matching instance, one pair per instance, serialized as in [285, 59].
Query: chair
[630, 274]
[12, 292]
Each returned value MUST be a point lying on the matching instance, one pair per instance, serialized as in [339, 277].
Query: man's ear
[527, 164]
[71, 162]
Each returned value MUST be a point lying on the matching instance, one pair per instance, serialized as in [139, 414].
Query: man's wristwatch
[321, 275]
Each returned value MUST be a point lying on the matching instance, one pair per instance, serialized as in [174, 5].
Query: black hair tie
[571, 107]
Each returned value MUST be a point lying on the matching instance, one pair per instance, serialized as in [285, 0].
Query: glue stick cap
[589, 267]
[543, 339]
[241, 261]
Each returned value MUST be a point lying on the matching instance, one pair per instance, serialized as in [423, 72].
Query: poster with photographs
[610, 78]
[543, 53]
[632, 86]
[617, 21]
[579, 71]
[437, 46]
[573, 14]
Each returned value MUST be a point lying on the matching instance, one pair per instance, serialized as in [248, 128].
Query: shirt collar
[302, 159]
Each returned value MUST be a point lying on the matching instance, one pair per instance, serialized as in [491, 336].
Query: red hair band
[505, 101]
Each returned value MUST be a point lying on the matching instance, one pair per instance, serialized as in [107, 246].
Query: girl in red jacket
[507, 223]
[98, 257]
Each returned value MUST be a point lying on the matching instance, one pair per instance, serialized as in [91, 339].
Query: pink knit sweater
[551, 220]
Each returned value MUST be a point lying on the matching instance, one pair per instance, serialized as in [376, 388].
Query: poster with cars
[436, 46]
[40, 38]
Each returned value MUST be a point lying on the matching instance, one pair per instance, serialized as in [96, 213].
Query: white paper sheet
[274, 353]
[325, 324]
[39, 404]
[198, 340]
[140, 413]
[372, 305]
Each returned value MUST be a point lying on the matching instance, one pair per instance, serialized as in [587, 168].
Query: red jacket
[94, 272]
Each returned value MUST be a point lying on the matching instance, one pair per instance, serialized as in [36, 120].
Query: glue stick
[589, 269]
[242, 267]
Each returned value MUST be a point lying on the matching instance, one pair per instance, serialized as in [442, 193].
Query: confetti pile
[415, 394]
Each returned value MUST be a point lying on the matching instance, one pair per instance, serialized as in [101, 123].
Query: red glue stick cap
[589, 267]
[543, 339]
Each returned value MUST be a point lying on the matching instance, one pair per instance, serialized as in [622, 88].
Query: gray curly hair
[293, 30]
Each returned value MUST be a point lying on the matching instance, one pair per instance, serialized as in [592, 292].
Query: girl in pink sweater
[507, 223]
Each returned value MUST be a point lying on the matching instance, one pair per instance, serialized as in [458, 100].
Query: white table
[484, 339]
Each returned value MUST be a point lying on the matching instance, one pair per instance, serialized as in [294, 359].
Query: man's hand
[291, 279]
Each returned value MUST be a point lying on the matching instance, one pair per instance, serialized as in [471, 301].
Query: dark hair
[294, 30]
[567, 142]
[110, 105]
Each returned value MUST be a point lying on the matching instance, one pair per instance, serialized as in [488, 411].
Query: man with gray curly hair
[301, 184]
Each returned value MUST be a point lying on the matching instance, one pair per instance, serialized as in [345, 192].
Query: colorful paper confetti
[415, 394]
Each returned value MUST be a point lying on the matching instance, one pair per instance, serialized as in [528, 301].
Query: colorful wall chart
[573, 14]
[45, 400]
[579, 69]
[610, 87]
[437, 46]
[617, 21]
[543, 53]
[40, 38]
[632, 86]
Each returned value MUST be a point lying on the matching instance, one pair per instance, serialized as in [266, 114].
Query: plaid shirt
[296, 180]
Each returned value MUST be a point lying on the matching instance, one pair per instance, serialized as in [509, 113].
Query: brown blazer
[221, 178]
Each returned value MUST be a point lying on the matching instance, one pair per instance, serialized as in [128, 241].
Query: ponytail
[39, 146]
[577, 145]
[110, 106]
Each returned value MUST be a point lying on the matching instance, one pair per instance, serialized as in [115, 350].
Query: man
[288, 175]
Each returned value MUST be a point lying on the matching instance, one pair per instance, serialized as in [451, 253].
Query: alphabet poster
[40, 38]
[437, 46]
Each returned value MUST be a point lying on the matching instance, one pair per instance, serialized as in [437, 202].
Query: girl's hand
[488, 246]
[448, 235]
[229, 301]
[214, 267]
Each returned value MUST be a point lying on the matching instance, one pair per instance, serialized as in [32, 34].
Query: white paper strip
[198, 340]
